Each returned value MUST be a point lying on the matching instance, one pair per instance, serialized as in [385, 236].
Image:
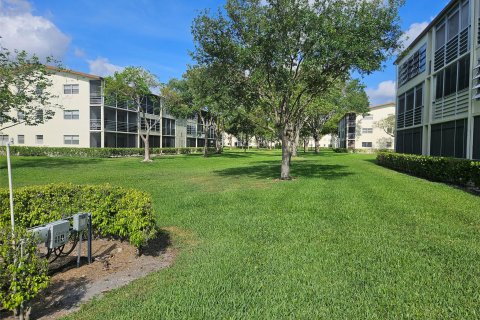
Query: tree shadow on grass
[301, 169]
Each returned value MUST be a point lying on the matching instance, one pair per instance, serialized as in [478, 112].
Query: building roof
[427, 29]
[388, 104]
[78, 73]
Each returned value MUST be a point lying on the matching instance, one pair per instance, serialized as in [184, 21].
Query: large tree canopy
[290, 52]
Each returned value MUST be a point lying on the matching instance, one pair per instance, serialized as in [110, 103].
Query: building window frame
[39, 139]
[70, 139]
[71, 88]
[71, 114]
[21, 139]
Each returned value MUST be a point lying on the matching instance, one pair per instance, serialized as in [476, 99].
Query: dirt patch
[115, 264]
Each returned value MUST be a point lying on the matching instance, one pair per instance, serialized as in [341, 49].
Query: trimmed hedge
[340, 150]
[118, 212]
[96, 152]
[450, 170]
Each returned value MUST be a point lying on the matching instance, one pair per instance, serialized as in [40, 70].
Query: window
[71, 114]
[440, 37]
[465, 16]
[70, 88]
[3, 140]
[168, 127]
[409, 141]
[449, 139]
[463, 73]
[450, 85]
[191, 129]
[71, 139]
[453, 78]
[410, 105]
[20, 116]
[39, 139]
[39, 115]
[21, 139]
[413, 66]
[366, 144]
[453, 25]
[367, 130]
[368, 116]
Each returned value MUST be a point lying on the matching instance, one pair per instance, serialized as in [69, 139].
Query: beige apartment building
[356, 131]
[88, 119]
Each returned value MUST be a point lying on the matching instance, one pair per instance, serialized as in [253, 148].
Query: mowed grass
[346, 239]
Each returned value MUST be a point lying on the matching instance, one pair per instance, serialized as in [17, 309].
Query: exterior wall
[378, 137]
[361, 132]
[53, 130]
[450, 103]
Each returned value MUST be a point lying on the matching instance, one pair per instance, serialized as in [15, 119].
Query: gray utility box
[40, 234]
[80, 221]
[59, 232]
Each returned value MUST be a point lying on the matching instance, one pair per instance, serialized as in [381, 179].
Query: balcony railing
[111, 125]
[410, 117]
[96, 100]
[96, 124]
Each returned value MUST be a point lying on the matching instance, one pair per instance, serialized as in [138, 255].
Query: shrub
[340, 150]
[450, 170]
[95, 152]
[119, 212]
[22, 272]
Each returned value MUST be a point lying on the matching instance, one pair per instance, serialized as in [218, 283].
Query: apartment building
[438, 79]
[357, 131]
[88, 119]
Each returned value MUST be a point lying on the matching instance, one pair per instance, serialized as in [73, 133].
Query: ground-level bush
[450, 170]
[23, 274]
[119, 212]
[96, 152]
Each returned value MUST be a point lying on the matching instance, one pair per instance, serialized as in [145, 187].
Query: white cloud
[20, 29]
[383, 93]
[102, 67]
[413, 32]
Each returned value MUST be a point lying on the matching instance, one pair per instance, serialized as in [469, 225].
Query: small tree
[24, 95]
[344, 97]
[134, 85]
[191, 96]
[387, 124]
[22, 272]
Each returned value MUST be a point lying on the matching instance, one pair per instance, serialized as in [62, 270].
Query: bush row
[118, 212]
[450, 170]
[96, 152]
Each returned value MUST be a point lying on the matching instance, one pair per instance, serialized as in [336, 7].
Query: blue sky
[101, 37]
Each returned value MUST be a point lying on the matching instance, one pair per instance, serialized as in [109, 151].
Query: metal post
[89, 239]
[79, 252]
[10, 187]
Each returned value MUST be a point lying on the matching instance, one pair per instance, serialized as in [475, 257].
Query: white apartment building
[88, 119]
[356, 131]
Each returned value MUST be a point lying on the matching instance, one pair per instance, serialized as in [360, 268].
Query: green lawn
[346, 239]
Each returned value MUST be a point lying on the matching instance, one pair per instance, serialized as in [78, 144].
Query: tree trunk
[305, 144]
[295, 143]
[146, 144]
[317, 145]
[286, 157]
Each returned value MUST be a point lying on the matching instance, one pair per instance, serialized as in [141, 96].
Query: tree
[22, 272]
[134, 85]
[191, 96]
[342, 98]
[291, 51]
[387, 124]
[24, 95]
